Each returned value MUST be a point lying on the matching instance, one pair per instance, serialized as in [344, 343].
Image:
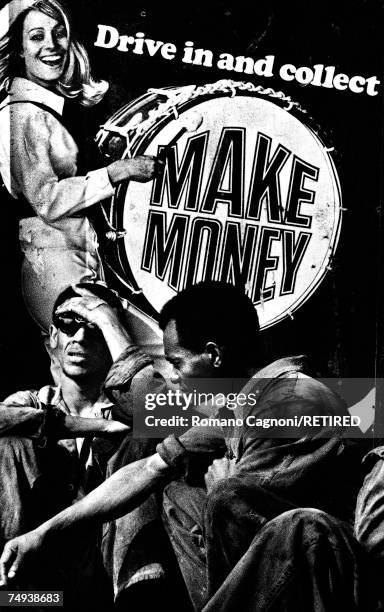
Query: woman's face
[45, 48]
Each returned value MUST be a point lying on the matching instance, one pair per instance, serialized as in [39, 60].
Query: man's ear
[215, 352]
[53, 339]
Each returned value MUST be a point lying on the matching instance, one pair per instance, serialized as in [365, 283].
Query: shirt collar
[28, 91]
[53, 396]
[103, 403]
[261, 379]
[279, 368]
[283, 366]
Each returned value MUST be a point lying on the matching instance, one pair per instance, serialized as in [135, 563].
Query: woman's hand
[142, 169]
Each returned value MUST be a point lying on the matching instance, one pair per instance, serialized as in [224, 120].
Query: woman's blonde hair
[76, 82]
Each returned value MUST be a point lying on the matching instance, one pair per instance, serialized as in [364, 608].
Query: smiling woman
[45, 48]
[42, 67]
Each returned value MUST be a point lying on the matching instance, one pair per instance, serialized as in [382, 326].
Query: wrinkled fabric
[321, 468]
[24, 421]
[242, 547]
[369, 519]
[38, 164]
[303, 560]
[40, 476]
[85, 467]
[36, 483]
[54, 258]
[38, 156]
[124, 560]
[311, 469]
[131, 362]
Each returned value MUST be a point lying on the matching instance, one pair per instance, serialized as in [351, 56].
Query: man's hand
[88, 307]
[220, 469]
[16, 552]
[97, 312]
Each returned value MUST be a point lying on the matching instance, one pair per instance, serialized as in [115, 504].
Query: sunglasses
[71, 326]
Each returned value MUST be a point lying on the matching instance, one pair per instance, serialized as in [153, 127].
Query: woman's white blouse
[38, 156]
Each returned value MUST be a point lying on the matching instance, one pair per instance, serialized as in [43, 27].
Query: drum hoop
[176, 97]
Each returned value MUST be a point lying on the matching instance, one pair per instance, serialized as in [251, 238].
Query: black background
[340, 325]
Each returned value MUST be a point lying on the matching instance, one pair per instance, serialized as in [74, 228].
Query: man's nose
[80, 334]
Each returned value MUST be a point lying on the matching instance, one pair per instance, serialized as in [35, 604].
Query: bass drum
[249, 194]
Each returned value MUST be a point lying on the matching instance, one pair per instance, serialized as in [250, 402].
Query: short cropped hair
[100, 291]
[218, 312]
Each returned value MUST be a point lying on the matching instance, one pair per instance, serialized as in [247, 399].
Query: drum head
[249, 194]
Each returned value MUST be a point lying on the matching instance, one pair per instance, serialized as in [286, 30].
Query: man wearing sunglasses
[59, 443]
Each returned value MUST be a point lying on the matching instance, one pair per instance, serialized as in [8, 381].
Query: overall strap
[43, 107]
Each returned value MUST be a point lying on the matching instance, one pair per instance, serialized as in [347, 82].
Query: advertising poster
[266, 122]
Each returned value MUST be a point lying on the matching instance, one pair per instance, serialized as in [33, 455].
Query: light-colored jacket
[38, 162]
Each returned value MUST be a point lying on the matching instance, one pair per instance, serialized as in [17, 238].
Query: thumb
[5, 561]
[16, 564]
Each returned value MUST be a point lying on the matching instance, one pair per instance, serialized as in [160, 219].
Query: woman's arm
[36, 139]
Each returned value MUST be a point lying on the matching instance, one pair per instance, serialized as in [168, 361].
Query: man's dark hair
[218, 312]
[100, 291]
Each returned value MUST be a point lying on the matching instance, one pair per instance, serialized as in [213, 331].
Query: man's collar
[279, 368]
[103, 403]
[54, 396]
[283, 366]
[24, 90]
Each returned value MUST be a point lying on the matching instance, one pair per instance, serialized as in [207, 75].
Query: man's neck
[79, 396]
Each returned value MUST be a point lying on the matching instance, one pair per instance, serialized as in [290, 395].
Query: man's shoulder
[26, 398]
[284, 366]
[291, 378]
[302, 385]
[281, 373]
[32, 398]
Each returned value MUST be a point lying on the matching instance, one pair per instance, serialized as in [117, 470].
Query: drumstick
[134, 122]
[192, 121]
